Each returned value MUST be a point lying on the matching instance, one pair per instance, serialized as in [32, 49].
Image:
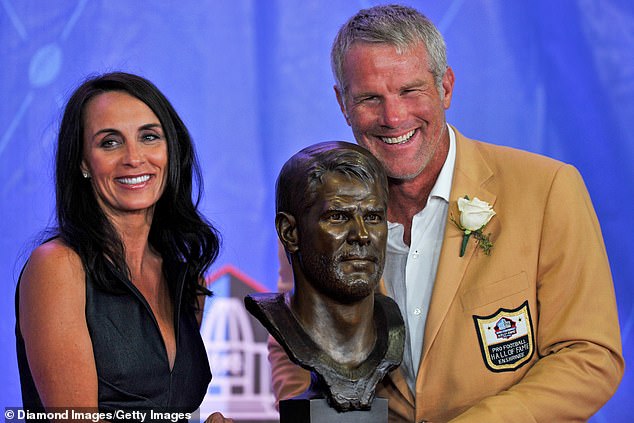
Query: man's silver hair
[400, 26]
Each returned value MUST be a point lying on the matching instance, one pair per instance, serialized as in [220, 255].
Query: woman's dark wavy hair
[178, 232]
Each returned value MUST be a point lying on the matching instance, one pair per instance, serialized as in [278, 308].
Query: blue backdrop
[251, 79]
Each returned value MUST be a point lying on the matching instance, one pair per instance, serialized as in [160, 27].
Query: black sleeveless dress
[131, 359]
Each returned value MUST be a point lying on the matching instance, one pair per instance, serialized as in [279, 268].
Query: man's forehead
[372, 63]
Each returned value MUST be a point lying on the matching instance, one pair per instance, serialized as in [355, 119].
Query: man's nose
[393, 112]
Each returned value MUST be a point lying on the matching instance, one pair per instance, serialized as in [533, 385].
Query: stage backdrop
[251, 79]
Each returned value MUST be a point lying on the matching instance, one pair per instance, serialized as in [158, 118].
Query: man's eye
[370, 99]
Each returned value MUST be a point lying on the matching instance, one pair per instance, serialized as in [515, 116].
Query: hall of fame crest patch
[506, 338]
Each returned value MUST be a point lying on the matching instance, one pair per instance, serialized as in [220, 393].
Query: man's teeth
[398, 140]
[135, 180]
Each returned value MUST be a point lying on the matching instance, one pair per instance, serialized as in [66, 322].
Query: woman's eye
[150, 137]
[109, 143]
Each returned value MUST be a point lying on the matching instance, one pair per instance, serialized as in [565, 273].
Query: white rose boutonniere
[474, 216]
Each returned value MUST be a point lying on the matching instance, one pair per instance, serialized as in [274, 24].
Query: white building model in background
[236, 348]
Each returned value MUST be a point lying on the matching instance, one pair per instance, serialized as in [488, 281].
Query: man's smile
[399, 140]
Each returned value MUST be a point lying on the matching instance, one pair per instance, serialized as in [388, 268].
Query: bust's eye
[337, 217]
[374, 218]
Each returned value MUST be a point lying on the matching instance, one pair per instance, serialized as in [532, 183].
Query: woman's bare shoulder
[53, 324]
[53, 263]
[53, 249]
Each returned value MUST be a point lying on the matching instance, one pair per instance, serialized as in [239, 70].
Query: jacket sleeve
[578, 341]
[287, 378]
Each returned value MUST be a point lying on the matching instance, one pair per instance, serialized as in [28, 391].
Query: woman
[108, 310]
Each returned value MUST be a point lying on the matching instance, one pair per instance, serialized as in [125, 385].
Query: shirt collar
[442, 187]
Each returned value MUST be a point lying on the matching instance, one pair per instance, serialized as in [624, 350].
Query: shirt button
[415, 254]
[417, 311]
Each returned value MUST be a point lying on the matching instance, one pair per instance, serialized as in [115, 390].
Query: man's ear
[342, 104]
[448, 80]
[286, 227]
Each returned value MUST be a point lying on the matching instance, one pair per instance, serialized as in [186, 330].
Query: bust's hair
[178, 232]
[401, 26]
[304, 172]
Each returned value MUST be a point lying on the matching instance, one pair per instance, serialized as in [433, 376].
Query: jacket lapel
[470, 174]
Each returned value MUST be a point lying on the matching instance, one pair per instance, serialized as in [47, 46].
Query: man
[331, 217]
[511, 319]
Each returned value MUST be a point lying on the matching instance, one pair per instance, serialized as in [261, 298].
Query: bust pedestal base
[318, 411]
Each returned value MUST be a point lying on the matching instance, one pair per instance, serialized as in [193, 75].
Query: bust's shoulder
[270, 301]
[271, 310]
[392, 313]
[387, 304]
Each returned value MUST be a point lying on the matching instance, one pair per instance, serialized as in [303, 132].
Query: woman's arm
[53, 325]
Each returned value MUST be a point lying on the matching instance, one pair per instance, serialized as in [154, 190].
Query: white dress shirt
[410, 272]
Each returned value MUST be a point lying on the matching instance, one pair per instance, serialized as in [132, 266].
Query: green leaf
[465, 240]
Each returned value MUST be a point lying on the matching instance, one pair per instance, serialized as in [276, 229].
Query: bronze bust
[331, 218]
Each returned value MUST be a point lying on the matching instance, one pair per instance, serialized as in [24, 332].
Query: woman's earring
[86, 174]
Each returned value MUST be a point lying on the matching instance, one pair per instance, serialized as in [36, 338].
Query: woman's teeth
[135, 180]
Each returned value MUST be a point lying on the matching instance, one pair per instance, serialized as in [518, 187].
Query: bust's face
[342, 238]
